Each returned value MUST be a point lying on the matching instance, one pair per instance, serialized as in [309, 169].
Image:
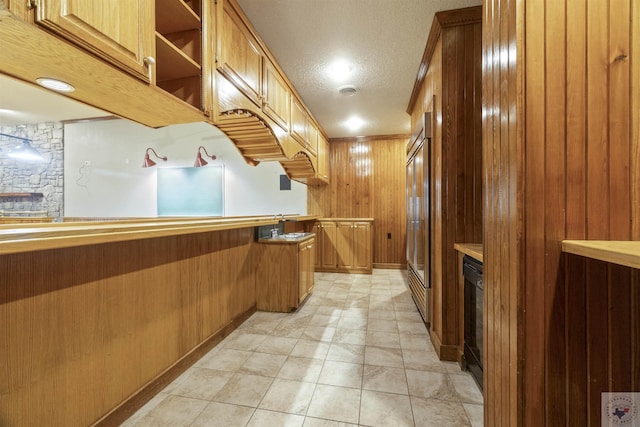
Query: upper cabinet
[298, 122]
[179, 49]
[323, 158]
[312, 137]
[277, 97]
[120, 31]
[254, 102]
[164, 62]
[239, 58]
[303, 129]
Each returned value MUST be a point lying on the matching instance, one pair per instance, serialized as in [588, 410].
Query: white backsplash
[104, 175]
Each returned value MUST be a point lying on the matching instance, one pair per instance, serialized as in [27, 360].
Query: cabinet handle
[149, 61]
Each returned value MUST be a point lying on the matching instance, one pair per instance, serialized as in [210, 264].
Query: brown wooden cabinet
[323, 158]
[303, 129]
[254, 102]
[344, 245]
[284, 275]
[239, 57]
[325, 232]
[312, 137]
[277, 97]
[119, 31]
[179, 49]
[299, 122]
[353, 246]
[306, 258]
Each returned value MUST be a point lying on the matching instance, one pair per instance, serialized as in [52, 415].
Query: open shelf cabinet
[179, 49]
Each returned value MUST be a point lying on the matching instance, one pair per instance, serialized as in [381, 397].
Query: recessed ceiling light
[347, 90]
[54, 84]
[354, 123]
[340, 70]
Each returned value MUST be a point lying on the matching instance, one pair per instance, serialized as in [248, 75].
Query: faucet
[274, 230]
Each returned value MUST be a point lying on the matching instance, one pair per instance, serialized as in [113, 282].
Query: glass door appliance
[418, 216]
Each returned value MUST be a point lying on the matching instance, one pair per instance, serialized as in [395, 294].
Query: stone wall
[20, 176]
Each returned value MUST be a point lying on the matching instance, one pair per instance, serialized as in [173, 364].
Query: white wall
[104, 177]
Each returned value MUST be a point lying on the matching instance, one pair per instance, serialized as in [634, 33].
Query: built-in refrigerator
[418, 216]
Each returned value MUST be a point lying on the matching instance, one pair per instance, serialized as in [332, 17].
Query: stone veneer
[19, 176]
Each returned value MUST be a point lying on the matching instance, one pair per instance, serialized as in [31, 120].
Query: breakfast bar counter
[97, 317]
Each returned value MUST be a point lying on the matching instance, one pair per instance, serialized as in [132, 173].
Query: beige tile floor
[356, 353]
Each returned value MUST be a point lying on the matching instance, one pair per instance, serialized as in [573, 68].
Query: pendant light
[199, 160]
[147, 162]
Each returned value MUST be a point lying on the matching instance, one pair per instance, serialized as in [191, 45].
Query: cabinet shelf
[173, 16]
[179, 49]
[181, 64]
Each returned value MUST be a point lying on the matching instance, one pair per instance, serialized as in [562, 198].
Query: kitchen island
[97, 317]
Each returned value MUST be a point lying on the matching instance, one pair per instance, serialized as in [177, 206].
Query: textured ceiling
[383, 40]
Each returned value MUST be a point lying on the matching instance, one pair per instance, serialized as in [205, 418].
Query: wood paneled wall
[451, 91]
[85, 328]
[503, 166]
[368, 180]
[561, 153]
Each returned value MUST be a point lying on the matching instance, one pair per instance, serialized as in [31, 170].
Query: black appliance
[473, 292]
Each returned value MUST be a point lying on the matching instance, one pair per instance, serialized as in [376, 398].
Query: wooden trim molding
[444, 19]
[389, 266]
[370, 138]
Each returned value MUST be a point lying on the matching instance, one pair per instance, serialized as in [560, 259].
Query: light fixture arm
[213, 157]
[147, 162]
[156, 154]
[16, 137]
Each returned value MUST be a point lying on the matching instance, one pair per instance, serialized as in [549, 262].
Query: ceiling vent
[347, 90]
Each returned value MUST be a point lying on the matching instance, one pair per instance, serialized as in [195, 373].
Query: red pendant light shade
[200, 161]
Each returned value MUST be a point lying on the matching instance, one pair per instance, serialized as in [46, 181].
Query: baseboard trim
[343, 270]
[389, 266]
[445, 352]
[137, 400]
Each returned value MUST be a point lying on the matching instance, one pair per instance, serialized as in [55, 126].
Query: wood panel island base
[92, 331]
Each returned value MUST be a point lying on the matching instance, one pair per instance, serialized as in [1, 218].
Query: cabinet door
[361, 245]
[344, 245]
[323, 158]
[311, 246]
[327, 248]
[317, 230]
[298, 122]
[306, 269]
[240, 59]
[277, 99]
[120, 31]
[312, 138]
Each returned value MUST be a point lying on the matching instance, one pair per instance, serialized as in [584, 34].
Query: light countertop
[625, 253]
[16, 238]
[474, 250]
